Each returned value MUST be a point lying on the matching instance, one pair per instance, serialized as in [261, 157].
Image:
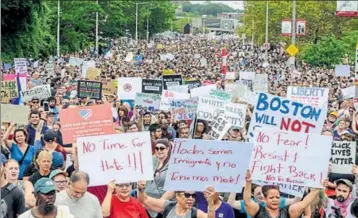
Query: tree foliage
[207, 8]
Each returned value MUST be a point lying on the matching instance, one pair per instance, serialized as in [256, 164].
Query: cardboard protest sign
[128, 87]
[286, 157]
[220, 95]
[15, 113]
[219, 128]
[147, 102]
[8, 90]
[202, 91]
[183, 109]
[196, 163]
[121, 157]
[342, 70]
[168, 72]
[41, 92]
[343, 156]
[90, 89]
[348, 92]
[260, 83]
[86, 121]
[153, 86]
[50, 67]
[295, 190]
[108, 86]
[89, 74]
[167, 95]
[20, 65]
[283, 114]
[248, 83]
[309, 95]
[172, 80]
[93, 73]
[181, 88]
[192, 83]
[209, 108]
[74, 61]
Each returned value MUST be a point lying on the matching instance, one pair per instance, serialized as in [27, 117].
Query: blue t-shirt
[225, 210]
[243, 210]
[17, 154]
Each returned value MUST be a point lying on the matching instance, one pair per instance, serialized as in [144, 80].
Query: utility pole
[97, 52]
[148, 27]
[136, 19]
[58, 29]
[293, 39]
[266, 35]
[253, 29]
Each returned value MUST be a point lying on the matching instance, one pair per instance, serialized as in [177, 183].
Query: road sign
[292, 50]
[267, 46]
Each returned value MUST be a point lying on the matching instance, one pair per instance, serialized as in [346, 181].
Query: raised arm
[6, 135]
[153, 204]
[251, 207]
[233, 203]
[297, 209]
[290, 201]
[106, 205]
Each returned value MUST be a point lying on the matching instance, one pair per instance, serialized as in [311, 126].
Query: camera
[336, 213]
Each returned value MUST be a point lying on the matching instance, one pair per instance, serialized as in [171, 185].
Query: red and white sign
[286, 27]
[128, 87]
[300, 27]
[347, 8]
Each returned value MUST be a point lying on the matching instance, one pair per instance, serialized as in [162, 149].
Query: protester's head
[20, 136]
[78, 184]
[57, 160]
[272, 196]
[52, 102]
[256, 191]
[201, 126]
[162, 147]
[185, 199]
[44, 161]
[342, 125]
[34, 117]
[45, 193]
[35, 103]
[147, 118]
[12, 170]
[156, 131]
[133, 127]
[59, 177]
[343, 189]
[122, 111]
[49, 136]
[56, 127]
[235, 134]
[123, 191]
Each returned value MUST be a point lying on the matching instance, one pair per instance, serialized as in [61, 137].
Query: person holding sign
[272, 200]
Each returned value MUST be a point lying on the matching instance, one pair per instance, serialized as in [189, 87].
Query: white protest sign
[309, 95]
[235, 114]
[247, 75]
[168, 95]
[86, 65]
[20, 65]
[180, 88]
[121, 157]
[294, 190]
[235, 89]
[202, 91]
[74, 61]
[203, 62]
[343, 156]
[220, 95]
[260, 83]
[219, 127]
[230, 76]
[184, 109]
[50, 67]
[128, 87]
[248, 97]
[348, 92]
[147, 102]
[41, 92]
[197, 56]
[284, 114]
[342, 70]
[129, 57]
[287, 157]
[208, 108]
[248, 83]
[196, 163]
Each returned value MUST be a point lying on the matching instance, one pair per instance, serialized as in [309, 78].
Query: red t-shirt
[131, 209]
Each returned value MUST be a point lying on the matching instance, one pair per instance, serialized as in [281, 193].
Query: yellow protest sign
[292, 50]
[160, 46]
[168, 72]
[93, 73]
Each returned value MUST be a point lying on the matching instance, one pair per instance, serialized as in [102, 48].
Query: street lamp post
[97, 32]
[266, 34]
[293, 39]
[136, 18]
[58, 29]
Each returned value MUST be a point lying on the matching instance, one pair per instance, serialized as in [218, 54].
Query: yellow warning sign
[292, 50]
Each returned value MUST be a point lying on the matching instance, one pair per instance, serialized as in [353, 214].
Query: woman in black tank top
[272, 199]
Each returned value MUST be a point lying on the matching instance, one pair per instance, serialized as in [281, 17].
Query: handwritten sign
[15, 113]
[153, 86]
[343, 156]
[235, 89]
[108, 87]
[260, 83]
[168, 95]
[289, 189]
[348, 92]
[219, 128]
[121, 157]
[309, 95]
[147, 102]
[86, 121]
[74, 61]
[244, 75]
[342, 70]
[248, 97]
[235, 114]
[41, 92]
[181, 88]
[196, 163]
[202, 91]
[8, 90]
[92, 73]
[128, 87]
[184, 109]
[172, 80]
[248, 83]
[50, 67]
[287, 157]
[208, 108]
[284, 114]
[20, 65]
[220, 95]
[90, 89]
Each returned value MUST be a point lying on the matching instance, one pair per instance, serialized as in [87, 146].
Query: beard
[48, 208]
[340, 199]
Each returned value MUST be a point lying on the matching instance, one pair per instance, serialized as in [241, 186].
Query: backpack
[170, 206]
[5, 192]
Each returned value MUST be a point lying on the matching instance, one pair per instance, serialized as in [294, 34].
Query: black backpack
[170, 206]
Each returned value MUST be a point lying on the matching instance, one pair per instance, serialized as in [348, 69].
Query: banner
[15, 113]
[128, 87]
[220, 95]
[260, 83]
[147, 102]
[168, 95]
[196, 163]
[90, 89]
[76, 62]
[172, 80]
[124, 158]
[153, 86]
[181, 88]
[8, 90]
[343, 156]
[209, 108]
[41, 92]
[20, 65]
[347, 8]
[348, 92]
[343, 70]
[219, 128]
[283, 114]
[294, 190]
[202, 91]
[183, 109]
[287, 157]
[317, 97]
[86, 121]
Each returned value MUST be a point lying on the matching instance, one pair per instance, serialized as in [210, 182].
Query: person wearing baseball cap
[50, 140]
[59, 177]
[45, 194]
[342, 200]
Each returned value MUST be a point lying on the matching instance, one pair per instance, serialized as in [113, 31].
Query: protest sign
[192, 84]
[91, 73]
[220, 95]
[209, 108]
[235, 89]
[348, 92]
[203, 62]
[248, 97]
[343, 156]
[153, 86]
[181, 88]
[248, 83]
[108, 87]
[168, 72]
[183, 109]
[8, 90]
[244, 75]
[20, 65]
[124, 158]
[202, 91]
[41, 92]
[284, 114]
[129, 57]
[167, 95]
[49, 67]
[128, 87]
[207, 83]
[90, 89]
[22, 79]
[285, 157]
[230, 76]
[219, 127]
[342, 70]
[15, 113]
[260, 83]
[196, 163]
[235, 114]
[74, 61]
[309, 95]
[147, 102]
[172, 80]
[86, 121]
[289, 189]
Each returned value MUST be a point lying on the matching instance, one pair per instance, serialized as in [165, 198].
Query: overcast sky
[233, 4]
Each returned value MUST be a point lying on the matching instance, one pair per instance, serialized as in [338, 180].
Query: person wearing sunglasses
[35, 103]
[183, 207]
[119, 202]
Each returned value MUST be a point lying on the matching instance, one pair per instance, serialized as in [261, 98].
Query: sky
[233, 4]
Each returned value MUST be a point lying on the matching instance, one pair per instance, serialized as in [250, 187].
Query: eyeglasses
[160, 148]
[35, 102]
[123, 185]
[188, 195]
[61, 182]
